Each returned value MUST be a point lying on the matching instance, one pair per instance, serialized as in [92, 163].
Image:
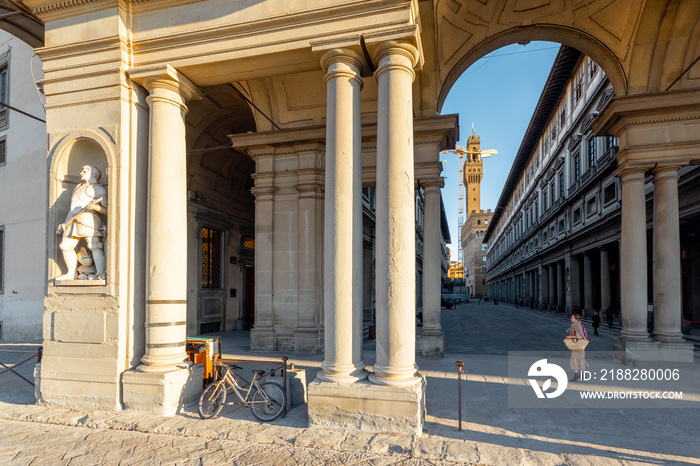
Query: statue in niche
[85, 220]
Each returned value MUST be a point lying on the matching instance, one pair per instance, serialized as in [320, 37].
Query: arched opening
[505, 235]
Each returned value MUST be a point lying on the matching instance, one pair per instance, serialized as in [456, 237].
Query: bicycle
[266, 400]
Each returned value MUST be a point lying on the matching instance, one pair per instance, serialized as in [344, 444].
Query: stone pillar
[575, 276]
[567, 283]
[633, 258]
[561, 292]
[667, 256]
[431, 341]
[587, 285]
[309, 190]
[541, 292]
[551, 276]
[604, 280]
[396, 254]
[165, 381]
[262, 336]
[343, 361]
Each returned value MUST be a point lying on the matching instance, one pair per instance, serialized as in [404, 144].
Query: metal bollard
[459, 365]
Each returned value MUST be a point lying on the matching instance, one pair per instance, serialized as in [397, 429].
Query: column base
[306, 342]
[342, 373]
[363, 406]
[431, 345]
[262, 339]
[165, 393]
[643, 352]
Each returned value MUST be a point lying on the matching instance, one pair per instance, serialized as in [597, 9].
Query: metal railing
[34, 354]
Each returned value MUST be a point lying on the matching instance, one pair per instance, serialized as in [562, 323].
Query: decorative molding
[672, 119]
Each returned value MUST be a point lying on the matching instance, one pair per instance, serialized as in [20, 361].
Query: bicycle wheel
[268, 402]
[212, 400]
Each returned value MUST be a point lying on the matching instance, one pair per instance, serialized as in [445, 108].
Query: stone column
[541, 290]
[667, 256]
[633, 256]
[561, 292]
[587, 284]
[575, 276]
[431, 341]
[396, 242]
[165, 376]
[343, 221]
[551, 276]
[604, 280]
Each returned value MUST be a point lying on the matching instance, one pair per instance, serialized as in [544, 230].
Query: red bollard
[459, 365]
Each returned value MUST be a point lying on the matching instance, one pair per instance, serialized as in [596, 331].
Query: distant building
[456, 270]
[474, 228]
[23, 191]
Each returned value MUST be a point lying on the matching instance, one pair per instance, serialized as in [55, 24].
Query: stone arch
[572, 37]
[69, 154]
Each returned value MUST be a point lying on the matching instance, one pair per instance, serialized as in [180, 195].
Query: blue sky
[498, 94]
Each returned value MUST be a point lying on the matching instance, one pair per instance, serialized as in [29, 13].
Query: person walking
[596, 323]
[609, 315]
[578, 358]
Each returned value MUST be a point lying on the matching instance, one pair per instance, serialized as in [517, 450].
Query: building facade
[556, 243]
[284, 111]
[23, 183]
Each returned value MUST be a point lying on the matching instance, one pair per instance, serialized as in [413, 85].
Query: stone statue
[85, 220]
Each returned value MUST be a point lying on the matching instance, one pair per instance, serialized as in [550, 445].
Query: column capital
[346, 55]
[168, 78]
[385, 56]
[632, 172]
[666, 171]
[432, 183]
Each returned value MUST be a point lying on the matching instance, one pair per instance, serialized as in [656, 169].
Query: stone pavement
[493, 433]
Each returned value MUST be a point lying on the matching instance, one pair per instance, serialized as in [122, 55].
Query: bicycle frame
[237, 389]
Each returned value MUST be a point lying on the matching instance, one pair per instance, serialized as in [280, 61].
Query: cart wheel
[212, 400]
[268, 405]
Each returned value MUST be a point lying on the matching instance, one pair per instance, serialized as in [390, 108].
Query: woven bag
[575, 344]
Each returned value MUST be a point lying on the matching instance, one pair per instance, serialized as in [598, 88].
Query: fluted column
[604, 279]
[667, 255]
[633, 256]
[395, 227]
[166, 256]
[343, 361]
[431, 341]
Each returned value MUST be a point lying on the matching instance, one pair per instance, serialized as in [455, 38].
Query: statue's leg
[98, 255]
[70, 257]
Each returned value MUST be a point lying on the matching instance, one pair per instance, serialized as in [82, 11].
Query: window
[561, 183]
[212, 258]
[3, 84]
[484, 259]
[544, 199]
[593, 69]
[577, 167]
[551, 192]
[562, 117]
[3, 95]
[610, 142]
[3, 146]
[591, 152]
[484, 246]
[609, 194]
[2, 260]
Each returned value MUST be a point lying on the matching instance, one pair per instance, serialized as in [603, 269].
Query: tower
[473, 172]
